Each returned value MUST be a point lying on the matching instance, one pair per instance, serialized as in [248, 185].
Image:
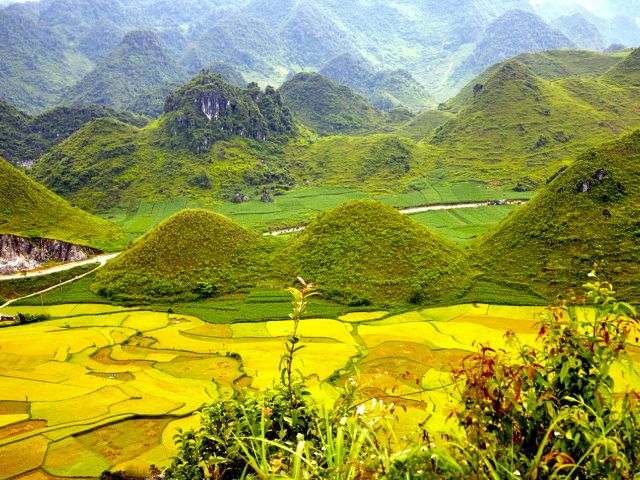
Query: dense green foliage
[365, 252]
[514, 32]
[228, 73]
[588, 214]
[328, 107]
[195, 253]
[385, 89]
[25, 138]
[208, 109]
[35, 64]
[139, 63]
[30, 210]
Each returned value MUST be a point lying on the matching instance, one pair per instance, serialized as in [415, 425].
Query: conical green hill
[175, 259]
[588, 213]
[366, 252]
[30, 210]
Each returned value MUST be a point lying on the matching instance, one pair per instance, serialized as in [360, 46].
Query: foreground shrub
[545, 411]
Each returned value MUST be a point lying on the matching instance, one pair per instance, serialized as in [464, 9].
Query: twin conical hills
[175, 259]
[589, 214]
[30, 210]
[367, 252]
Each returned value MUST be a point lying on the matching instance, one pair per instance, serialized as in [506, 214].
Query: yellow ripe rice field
[100, 387]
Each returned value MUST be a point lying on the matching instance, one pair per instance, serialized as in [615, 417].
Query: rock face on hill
[208, 109]
[21, 253]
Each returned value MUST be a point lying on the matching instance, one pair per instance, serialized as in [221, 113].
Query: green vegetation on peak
[30, 210]
[208, 109]
[138, 63]
[328, 107]
[514, 32]
[192, 254]
[229, 73]
[24, 139]
[520, 128]
[550, 65]
[590, 213]
[366, 252]
[386, 89]
[626, 73]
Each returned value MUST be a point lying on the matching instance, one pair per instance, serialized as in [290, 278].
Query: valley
[368, 240]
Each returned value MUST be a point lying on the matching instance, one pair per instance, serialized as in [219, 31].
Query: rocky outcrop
[20, 253]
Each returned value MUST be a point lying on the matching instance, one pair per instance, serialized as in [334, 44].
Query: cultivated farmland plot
[101, 387]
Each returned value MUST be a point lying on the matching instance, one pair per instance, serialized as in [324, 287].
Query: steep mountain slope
[140, 62]
[365, 251]
[215, 138]
[580, 31]
[589, 213]
[328, 107]
[514, 32]
[24, 138]
[521, 126]
[385, 89]
[30, 210]
[193, 253]
[229, 73]
[35, 64]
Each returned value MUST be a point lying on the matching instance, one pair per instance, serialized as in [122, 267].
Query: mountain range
[66, 51]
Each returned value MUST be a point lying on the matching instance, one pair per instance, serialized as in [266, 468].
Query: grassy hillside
[627, 72]
[365, 251]
[192, 254]
[139, 63]
[28, 209]
[328, 107]
[589, 213]
[519, 127]
[25, 138]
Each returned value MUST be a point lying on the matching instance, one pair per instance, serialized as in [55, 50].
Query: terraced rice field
[101, 387]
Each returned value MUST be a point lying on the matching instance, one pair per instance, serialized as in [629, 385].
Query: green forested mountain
[580, 31]
[415, 47]
[589, 213]
[385, 89]
[139, 63]
[28, 209]
[514, 32]
[328, 107]
[25, 138]
[213, 138]
[229, 73]
[36, 66]
[194, 253]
